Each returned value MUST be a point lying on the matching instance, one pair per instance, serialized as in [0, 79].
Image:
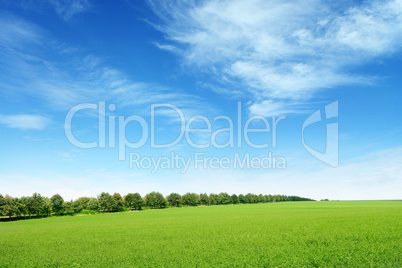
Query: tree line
[39, 205]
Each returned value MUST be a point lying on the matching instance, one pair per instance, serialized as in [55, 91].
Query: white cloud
[166, 47]
[68, 8]
[16, 32]
[282, 50]
[270, 108]
[77, 77]
[25, 121]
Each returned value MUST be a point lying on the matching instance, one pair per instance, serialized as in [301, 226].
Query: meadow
[288, 234]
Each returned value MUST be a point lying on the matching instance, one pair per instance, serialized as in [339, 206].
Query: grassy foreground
[298, 234]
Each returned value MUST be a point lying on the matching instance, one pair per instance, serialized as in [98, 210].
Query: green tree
[161, 200]
[84, 201]
[93, 204]
[249, 198]
[21, 208]
[46, 207]
[37, 203]
[129, 200]
[1, 203]
[106, 202]
[150, 200]
[191, 199]
[225, 198]
[29, 206]
[138, 201]
[8, 207]
[68, 207]
[134, 201]
[174, 199]
[77, 206]
[155, 200]
[119, 204]
[212, 199]
[218, 199]
[270, 198]
[204, 200]
[235, 199]
[57, 203]
[242, 199]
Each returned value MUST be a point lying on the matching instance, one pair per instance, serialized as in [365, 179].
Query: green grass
[289, 234]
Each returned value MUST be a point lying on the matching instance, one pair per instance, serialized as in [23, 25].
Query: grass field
[298, 234]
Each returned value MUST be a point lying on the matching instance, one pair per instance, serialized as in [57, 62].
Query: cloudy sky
[117, 96]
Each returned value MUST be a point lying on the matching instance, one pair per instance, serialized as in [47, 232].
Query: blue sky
[271, 58]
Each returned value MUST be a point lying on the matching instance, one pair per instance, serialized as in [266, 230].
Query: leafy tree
[1, 203]
[298, 198]
[260, 198]
[270, 198]
[8, 207]
[21, 209]
[129, 200]
[29, 206]
[242, 199]
[235, 199]
[255, 198]
[212, 199]
[57, 203]
[161, 200]
[138, 201]
[174, 199]
[191, 199]
[68, 207]
[37, 203]
[249, 198]
[84, 201]
[155, 200]
[150, 200]
[93, 204]
[77, 206]
[204, 200]
[218, 199]
[106, 202]
[119, 204]
[225, 198]
[134, 201]
[46, 207]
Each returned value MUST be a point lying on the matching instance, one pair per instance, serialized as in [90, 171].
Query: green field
[288, 234]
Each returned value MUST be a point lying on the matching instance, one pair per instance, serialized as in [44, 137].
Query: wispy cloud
[281, 50]
[75, 77]
[270, 107]
[25, 121]
[65, 9]
[68, 8]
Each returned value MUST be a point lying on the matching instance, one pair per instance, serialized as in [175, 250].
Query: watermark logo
[114, 132]
[188, 126]
[331, 154]
[203, 161]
